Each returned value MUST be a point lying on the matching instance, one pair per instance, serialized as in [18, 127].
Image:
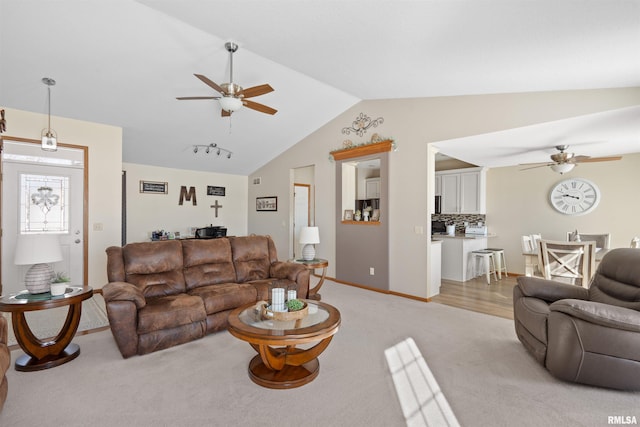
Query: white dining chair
[635, 242]
[568, 262]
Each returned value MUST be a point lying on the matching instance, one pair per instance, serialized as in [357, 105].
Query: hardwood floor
[475, 295]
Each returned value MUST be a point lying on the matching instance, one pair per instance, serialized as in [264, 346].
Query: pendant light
[49, 137]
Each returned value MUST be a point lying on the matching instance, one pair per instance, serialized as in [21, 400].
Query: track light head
[195, 149]
[207, 150]
[229, 156]
[218, 151]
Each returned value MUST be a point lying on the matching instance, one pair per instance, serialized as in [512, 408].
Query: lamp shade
[230, 103]
[309, 235]
[37, 249]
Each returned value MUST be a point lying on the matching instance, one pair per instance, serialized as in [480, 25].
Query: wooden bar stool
[500, 260]
[488, 264]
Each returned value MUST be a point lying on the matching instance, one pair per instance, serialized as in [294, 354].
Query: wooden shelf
[362, 222]
[362, 150]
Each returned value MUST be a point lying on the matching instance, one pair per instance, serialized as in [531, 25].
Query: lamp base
[38, 279]
[308, 252]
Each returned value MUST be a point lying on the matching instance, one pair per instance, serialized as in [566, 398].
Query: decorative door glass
[44, 201]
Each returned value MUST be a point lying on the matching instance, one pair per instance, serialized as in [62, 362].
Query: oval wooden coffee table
[279, 363]
[47, 353]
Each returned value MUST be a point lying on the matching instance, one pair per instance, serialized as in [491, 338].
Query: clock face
[575, 196]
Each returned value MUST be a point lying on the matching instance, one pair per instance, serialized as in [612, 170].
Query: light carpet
[483, 371]
[48, 323]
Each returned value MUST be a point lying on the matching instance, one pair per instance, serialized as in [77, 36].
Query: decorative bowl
[267, 313]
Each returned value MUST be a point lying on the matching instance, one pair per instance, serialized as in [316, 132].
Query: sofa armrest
[550, 291]
[607, 315]
[286, 270]
[123, 291]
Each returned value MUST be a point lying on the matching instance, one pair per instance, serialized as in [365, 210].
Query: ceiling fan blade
[256, 91]
[258, 107]
[185, 98]
[210, 83]
[577, 159]
[225, 113]
[598, 159]
[537, 166]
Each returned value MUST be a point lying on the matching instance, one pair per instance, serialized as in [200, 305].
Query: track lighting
[207, 149]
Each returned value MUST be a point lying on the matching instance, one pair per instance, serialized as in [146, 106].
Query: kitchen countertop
[463, 236]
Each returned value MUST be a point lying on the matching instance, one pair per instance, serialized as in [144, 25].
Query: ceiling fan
[564, 162]
[234, 97]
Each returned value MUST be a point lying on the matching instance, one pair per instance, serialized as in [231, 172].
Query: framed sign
[215, 191]
[266, 203]
[152, 187]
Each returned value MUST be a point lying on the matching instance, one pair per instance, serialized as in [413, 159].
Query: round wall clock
[574, 196]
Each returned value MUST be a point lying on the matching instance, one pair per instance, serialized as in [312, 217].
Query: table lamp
[39, 250]
[309, 236]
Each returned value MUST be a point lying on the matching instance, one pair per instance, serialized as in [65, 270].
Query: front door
[42, 193]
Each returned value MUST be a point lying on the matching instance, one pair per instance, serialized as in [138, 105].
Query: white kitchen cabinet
[372, 188]
[438, 185]
[463, 191]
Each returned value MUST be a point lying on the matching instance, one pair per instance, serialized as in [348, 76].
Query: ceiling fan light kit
[230, 103]
[562, 168]
[565, 162]
[49, 138]
[234, 97]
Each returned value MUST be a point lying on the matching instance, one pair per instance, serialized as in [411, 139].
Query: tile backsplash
[459, 219]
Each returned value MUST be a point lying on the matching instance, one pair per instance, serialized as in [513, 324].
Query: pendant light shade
[230, 103]
[49, 138]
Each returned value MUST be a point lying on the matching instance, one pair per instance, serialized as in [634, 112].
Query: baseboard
[381, 291]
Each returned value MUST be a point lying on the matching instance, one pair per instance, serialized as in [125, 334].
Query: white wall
[149, 212]
[105, 162]
[412, 123]
[518, 204]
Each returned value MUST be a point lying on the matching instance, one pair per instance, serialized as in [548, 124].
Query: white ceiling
[123, 62]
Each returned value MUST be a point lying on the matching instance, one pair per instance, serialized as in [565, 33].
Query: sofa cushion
[170, 312]
[155, 267]
[207, 262]
[251, 257]
[225, 296]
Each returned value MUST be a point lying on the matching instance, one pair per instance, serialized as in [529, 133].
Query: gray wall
[360, 247]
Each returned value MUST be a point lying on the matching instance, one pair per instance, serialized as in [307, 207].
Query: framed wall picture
[152, 187]
[266, 204]
[213, 190]
[348, 215]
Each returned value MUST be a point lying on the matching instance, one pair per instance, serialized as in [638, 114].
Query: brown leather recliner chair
[589, 336]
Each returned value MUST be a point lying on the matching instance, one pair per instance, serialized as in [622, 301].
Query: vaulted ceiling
[123, 62]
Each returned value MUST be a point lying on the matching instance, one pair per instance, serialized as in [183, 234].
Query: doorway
[44, 193]
[303, 206]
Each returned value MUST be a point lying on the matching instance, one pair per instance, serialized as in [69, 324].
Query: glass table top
[252, 317]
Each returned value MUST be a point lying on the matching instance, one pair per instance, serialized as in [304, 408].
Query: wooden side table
[47, 353]
[312, 265]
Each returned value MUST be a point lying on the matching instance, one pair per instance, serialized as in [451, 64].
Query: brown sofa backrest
[252, 257]
[154, 267]
[207, 262]
[617, 280]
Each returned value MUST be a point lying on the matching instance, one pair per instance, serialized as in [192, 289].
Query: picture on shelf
[348, 215]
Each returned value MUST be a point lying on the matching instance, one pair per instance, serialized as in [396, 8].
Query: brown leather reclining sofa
[589, 336]
[166, 293]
